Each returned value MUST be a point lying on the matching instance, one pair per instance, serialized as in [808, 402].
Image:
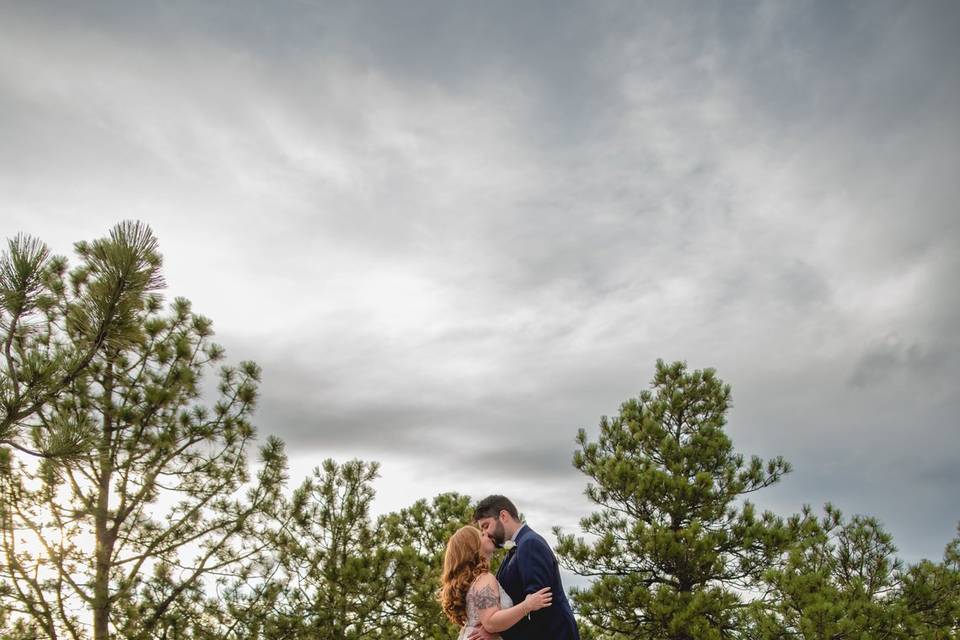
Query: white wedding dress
[473, 617]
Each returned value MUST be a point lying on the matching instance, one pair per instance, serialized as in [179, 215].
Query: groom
[528, 567]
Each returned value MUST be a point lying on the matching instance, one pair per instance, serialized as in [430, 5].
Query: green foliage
[53, 325]
[671, 544]
[331, 576]
[336, 573]
[838, 579]
[136, 496]
[930, 596]
[417, 537]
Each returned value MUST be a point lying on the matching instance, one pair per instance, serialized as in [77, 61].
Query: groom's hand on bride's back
[481, 634]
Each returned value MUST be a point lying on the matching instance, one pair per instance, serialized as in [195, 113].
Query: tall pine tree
[673, 544]
[120, 490]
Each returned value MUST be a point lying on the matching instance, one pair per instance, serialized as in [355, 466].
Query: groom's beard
[499, 535]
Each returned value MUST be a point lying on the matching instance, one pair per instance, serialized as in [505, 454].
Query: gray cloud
[892, 356]
[454, 234]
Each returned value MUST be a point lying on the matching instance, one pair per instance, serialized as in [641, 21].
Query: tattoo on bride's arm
[484, 598]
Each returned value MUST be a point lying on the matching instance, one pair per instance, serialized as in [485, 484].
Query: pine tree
[54, 325]
[838, 579]
[930, 595]
[673, 544]
[134, 501]
[334, 572]
[417, 537]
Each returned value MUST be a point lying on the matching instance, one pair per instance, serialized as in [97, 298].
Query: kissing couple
[525, 601]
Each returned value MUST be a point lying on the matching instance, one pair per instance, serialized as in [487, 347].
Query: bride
[471, 596]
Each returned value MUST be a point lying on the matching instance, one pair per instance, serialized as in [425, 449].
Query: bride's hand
[538, 600]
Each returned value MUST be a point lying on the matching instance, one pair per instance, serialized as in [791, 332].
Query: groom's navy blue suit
[529, 567]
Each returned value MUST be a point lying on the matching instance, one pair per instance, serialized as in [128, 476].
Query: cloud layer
[453, 235]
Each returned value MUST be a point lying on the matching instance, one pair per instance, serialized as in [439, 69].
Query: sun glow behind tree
[100, 452]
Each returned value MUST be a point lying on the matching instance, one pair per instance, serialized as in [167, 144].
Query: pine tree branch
[19, 575]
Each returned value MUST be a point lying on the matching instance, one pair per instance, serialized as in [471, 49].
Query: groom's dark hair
[491, 506]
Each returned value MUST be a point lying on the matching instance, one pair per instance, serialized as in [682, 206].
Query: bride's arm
[485, 594]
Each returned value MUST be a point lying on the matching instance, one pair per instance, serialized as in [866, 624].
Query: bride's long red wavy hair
[462, 563]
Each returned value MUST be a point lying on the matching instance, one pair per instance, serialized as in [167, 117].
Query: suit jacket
[529, 567]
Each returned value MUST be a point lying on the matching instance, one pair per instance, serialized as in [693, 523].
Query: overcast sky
[454, 233]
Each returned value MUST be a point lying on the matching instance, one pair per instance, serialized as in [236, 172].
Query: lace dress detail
[473, 617]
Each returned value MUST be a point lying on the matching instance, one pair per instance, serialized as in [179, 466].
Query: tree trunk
[104, 535]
